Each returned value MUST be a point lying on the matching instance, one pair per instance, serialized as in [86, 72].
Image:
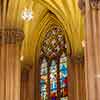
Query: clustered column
[76, 77]
[10, 43]
[92, 48]
[24, 84]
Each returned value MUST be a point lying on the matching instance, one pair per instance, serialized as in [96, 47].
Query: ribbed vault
[66, 11]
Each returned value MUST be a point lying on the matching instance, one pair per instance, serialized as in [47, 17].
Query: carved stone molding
[10, 36]
[95, 4]
[81, 4]
[76, 59]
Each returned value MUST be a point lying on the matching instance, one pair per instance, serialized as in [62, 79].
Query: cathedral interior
[49, 50]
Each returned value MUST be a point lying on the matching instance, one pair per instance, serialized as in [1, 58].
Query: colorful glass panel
[53, 98]
[43, 70]
[43, 80]
[64, 98]
[63, 70]
[54, 86]
[43, 91]
[43, 67]
[53, 42]
[64, 92]
[53, 80]
[52, 46]
[63, 77]
[53, 76]
[44, 96]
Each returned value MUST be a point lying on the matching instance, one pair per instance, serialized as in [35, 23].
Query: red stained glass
[53, 94]
[66, 80]
[64, 92]
[54, 74]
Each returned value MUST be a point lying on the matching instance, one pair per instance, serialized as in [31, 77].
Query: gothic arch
[76, 66]
[50, 21]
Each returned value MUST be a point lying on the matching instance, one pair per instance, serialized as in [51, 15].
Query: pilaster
[76, 78]
[92, 53]
[10, 42]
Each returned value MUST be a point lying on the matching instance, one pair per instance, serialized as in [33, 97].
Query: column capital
[95, 4]
[11, 36]
[81, 5]
[76, 59]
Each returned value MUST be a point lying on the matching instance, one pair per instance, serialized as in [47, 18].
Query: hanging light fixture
[27, 14]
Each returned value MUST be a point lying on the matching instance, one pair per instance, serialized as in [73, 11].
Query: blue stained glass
[62, 83]
[63, 66]
[53, 86]
[53, 76]
[53, 98]
[63, 71]
[63, 74]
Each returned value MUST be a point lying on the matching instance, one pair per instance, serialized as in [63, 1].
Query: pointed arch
[52, 42]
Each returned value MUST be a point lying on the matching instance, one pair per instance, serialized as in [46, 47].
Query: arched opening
[53, 66]
[59, 74]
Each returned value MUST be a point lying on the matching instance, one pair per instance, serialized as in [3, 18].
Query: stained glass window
[64, 98]
[54, 71]
[63, 76]
[53, 80]
[43, 80]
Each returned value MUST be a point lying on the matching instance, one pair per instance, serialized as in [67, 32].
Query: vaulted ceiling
[66, 11]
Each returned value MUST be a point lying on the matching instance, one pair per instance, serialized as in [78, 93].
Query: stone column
[10, 42]
[27, 82]
[71, 78]
[92, 49]
[79, 77]
[24, 84]
[76, 76]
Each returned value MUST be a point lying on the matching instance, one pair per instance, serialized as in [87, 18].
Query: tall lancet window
[53, 80]
[43, 81]
[54, 69]
[63, 77]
